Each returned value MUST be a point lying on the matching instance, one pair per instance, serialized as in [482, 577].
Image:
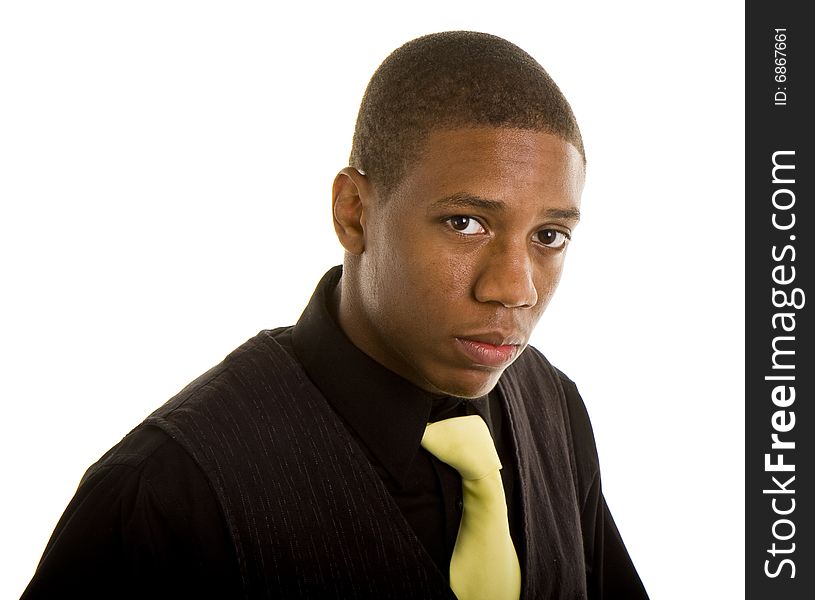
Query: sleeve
[143, 523]
[610, 573]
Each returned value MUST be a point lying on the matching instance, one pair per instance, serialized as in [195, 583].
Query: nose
[507, 277]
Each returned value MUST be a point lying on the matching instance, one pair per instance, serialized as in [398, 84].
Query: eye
[465, 225]
[552, 238]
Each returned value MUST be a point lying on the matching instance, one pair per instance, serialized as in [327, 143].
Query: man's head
[446, 81]
[464, 189]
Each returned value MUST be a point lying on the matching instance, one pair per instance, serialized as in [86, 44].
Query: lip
[489, 350]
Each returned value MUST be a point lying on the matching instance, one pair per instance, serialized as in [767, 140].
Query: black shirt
[149, 514]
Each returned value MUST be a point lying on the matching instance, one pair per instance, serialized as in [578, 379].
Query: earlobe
[350, 199]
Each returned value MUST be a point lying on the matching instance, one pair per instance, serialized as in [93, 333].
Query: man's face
[461, 259]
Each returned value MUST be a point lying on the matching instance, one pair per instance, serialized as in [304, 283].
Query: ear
[351, 198]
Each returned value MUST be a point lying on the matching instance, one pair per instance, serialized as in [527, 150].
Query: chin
[471, 385]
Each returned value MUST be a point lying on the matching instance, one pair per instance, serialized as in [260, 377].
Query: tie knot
[465, 444]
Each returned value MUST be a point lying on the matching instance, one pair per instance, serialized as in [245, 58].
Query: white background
[165, 172]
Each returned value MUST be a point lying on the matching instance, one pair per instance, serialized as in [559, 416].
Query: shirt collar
[386, 412]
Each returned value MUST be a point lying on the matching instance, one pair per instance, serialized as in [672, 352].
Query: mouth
[490, 350]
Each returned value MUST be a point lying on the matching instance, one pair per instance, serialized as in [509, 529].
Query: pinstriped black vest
[308, 514]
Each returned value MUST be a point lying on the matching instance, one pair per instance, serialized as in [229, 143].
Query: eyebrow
[465, 201]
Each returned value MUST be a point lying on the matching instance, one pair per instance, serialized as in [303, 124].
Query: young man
[304, 465]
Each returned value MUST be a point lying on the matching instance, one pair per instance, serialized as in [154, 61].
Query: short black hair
[451, 80]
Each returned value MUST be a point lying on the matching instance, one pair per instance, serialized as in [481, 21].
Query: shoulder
[136, 449]
[532, 364]
[148, 472]
[258, 364]
[531, 368]
[149, 449]
[533, 371]
[257, 400]
[582, 431]
[152, 486]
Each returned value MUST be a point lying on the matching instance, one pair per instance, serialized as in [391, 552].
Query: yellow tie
[484, 564]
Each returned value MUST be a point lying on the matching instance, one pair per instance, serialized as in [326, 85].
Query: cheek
[433, 291]
[547, 282]
[445, 278]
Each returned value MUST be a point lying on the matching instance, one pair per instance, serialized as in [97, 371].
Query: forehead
[499, 163]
